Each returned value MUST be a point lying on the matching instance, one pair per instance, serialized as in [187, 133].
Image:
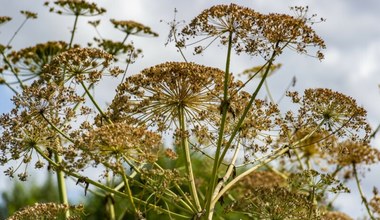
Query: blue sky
[351, 63]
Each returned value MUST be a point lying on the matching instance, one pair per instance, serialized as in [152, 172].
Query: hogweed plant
[182, 140]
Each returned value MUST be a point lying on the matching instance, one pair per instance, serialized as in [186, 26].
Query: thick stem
[224, 108]
[188, 164]
[364, 200]
[129, 192]
[110, 207]
[228, 174]
[61, 185]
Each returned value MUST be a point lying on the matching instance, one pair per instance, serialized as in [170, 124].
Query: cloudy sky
[351, 64]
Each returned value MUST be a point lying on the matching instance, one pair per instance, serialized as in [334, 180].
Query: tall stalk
[188, 164]
[224, 108]
[61, 185]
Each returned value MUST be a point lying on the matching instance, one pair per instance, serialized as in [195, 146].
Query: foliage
[226, 151]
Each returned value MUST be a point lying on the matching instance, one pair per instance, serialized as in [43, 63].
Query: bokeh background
[351, 64]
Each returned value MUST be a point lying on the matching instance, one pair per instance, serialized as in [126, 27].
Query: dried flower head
[251, 32]
[133, 28]
[156, 94]
[114, 144]
[315, 184]
[31, 60]
[375, 204]
[311, 144]
[159, 180]
[332, 111]
[81, 65]
[47, 211]
[76, 7]
[4, 19]
[95, 23]
[353, 152]
[275, 203]
[263, 178]
[287, 31]
[221, 20]
[29, 15]
[28, 126]
[117, 48]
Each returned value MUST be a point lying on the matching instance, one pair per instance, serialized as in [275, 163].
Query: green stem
[224, 107]
[228, 174]
[73, 31]
[361, 192]
[129, 192]
[188, 164]
[61, 185]
[110, 207]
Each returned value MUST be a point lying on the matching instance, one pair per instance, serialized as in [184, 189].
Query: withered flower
[117, 48]
[252, 32]
[47, 211]
[155, 95]
[334, 112]
[76, 7]
[27, 126]
[80, 64]
[262, 178]
[220, 20]
[113, 144]
[375, 204]
[288, 31]
[275, 203]
[133, 28]
[29, 15]
[4, 19]
[354, 152]
[31, 60]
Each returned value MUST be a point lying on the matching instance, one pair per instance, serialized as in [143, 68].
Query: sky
[351, 63]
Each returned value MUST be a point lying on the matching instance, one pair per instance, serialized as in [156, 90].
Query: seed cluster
[76, 7]
[81, 64]
[133, 28]
[33, 59]
[252, 32]
[155, 95]
[46, 211]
